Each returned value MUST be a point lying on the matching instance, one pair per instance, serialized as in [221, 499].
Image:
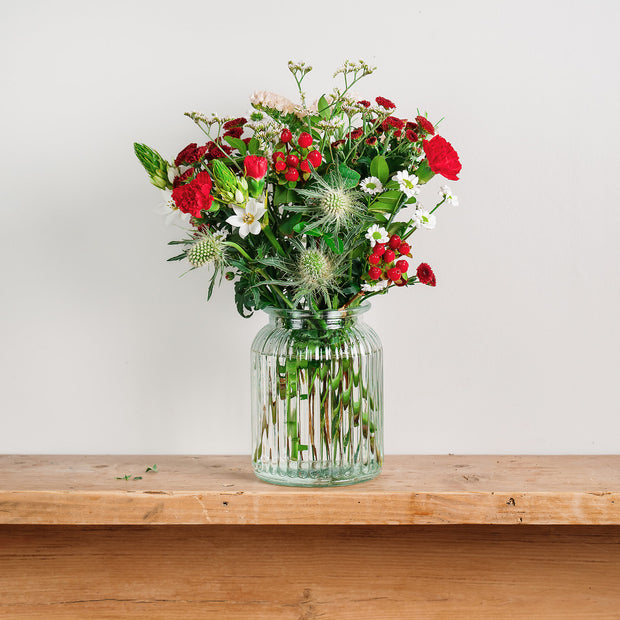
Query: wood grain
[309, 572]
[412, 490]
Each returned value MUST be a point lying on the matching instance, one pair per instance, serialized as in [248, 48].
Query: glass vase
[317, 398]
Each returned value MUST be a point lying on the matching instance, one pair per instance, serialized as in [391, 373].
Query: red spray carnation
[338, 144]
[425, 274]
[392, 121]
[183, 178]
[195, 196]
[425, 124]
[371, 141]
[412, 136]
[385, 103]
[217, 151]
[255, 167]
[236, 122]
[235, 132]
[442, 158]
[191, 154]
[365, 103]
[356, 133]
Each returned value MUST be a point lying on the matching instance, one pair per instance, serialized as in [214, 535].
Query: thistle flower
[331, 204]
[208, 248]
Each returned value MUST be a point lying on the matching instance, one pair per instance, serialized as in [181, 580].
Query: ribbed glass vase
[317, 398]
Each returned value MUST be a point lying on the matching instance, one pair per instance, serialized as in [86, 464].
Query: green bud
[223, 176]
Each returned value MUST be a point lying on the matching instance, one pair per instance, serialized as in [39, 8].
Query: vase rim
[290, 313]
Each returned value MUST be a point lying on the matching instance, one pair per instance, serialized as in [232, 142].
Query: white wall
[103, 349]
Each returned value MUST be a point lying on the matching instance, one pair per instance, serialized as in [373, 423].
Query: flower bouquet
[309, 210]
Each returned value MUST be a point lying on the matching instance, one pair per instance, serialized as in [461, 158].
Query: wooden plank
[309, 572]
[222, 490]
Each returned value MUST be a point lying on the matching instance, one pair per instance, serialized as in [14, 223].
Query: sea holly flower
[377, 234]
[446, 192]
[247, 220]
[407, 183]
[208, 248]
[371, 185]
[424, 219]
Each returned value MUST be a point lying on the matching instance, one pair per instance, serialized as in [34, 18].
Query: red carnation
[385, 103]
[371, 141]
[235, 132]
[191, 154]
[442, 158]
[425, 124]
[392, 121]
[425, 274]
[365, 103]
[356, 133]
[183, 178]
[411, 125]
[255, 167]
[217, 151]
[194, 196]
[236, 122]
[412, 136]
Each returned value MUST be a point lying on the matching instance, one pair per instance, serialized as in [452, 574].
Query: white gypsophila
[371, 185]
[247, 219]
[446, 192]
[424, 219]
[272, 100]
[377, 286]
[377, 234]
[407, 183]
[169, 208]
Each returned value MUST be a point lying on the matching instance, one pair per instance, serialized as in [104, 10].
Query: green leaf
[237, 143]
[336, 245]
[137, 477]
[282, 195]
[253, 146]
[178, 257]
[379, 205]
[154, 468]
[287, 227]
[379, 168]
[323, 107]
[301, 228]
[350, 177]
[424, 173]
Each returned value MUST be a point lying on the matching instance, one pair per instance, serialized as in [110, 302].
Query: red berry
[280, 165]
[292, 161]
[404, 248]
[379, 249]
[305, 140]
[374, 259]
[315, 158]
[286, 135]
[374, 273]
[291, 174]
[394, 274]
[403, 265]
[394, 241]
[278, 155]
[303, 164]
[389, 256]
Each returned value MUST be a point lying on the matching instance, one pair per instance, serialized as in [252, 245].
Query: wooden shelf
[222, 490]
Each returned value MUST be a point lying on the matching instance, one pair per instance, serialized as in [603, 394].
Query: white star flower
[407, 183]
[424, 219]
[446, 192]
[371, 185]
[376, 234]
[170, 210]
[377, 286]
[247, 220]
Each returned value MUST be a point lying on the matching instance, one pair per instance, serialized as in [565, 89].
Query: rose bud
[255, 167]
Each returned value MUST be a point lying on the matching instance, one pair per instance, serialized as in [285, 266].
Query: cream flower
[376, 234]
[424, 219]
[247, 220]
[371, 185]
[272, 100]
[407, 183]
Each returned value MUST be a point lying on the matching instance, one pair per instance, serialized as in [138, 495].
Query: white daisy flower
[376, 234]
[424, 219]
[247, 220]
[446, 192]
[371, 288]
[371, 185]
[168, 208]
[407, 183]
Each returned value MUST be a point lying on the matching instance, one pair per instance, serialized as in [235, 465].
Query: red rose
[195, 196]
[425, 124]
[255, 167]
[442, 158]
[385, 103]
[191, 154]
[425, 274]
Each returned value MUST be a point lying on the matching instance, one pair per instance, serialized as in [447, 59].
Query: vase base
[315, 477]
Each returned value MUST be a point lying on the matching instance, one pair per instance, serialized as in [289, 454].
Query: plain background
[104, 349]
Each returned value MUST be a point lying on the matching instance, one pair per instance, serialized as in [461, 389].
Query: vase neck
[323, 320]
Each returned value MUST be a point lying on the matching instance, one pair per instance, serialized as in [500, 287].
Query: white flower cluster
[373, 288]
[424, 219]
[445, 192]
[199, 117]
[302, 67]
[267, 99]
[350, 66]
